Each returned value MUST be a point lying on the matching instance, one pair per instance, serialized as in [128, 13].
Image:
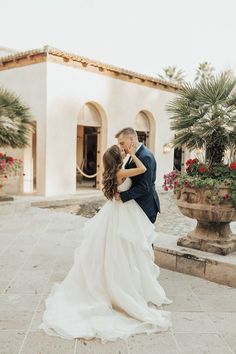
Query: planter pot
[4, 197]
[212, 233]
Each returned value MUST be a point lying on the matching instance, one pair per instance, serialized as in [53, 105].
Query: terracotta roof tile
[86, 61]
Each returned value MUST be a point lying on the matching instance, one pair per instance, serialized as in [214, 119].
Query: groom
[143, 186]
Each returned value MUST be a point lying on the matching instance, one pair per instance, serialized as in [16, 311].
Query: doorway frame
[101, 137]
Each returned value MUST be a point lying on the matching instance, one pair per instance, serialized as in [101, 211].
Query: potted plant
[9, 167]
[204, 116]
[15, 129]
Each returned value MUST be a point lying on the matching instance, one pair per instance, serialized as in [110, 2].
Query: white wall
[29, 82]
[68, 89]
[56, 94]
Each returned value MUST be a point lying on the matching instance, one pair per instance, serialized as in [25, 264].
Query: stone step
[20, 203]
[217, 268]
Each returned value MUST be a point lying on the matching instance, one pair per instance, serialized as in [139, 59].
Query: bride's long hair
[112, 162]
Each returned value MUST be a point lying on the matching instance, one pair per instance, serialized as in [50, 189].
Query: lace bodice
[125, 185]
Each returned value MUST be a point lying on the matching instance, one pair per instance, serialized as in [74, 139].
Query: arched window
[142, 127]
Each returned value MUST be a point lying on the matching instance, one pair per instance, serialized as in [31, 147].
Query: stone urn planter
[4, 197]
[212, 233]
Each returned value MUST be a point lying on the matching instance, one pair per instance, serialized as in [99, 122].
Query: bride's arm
[131, 172]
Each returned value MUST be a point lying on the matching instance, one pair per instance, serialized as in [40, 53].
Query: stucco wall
[56, 94]
[68, 89]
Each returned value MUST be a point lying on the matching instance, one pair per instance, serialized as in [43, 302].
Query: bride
[112, 289]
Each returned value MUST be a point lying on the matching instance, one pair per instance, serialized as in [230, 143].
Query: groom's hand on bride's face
[117, 196]
[131, 149]
[123, 153]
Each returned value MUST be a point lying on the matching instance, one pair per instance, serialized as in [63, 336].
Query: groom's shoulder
[147, 153]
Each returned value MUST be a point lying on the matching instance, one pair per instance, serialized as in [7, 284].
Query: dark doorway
[87, 155]
[90, 150]
[178, 159]
[143, 137]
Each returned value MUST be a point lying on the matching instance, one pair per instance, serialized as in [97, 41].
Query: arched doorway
[90, 145]
[145, 128]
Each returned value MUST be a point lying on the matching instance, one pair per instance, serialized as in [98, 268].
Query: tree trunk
[215, 150]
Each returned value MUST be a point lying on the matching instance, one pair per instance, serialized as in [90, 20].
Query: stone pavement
[37, 250]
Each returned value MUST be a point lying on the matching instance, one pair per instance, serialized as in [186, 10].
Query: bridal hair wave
[112, 162]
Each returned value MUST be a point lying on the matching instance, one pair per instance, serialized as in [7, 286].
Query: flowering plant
[201, 175]
[203, 116]
[9, 166]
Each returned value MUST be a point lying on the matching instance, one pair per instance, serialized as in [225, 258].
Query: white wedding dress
[111, 290]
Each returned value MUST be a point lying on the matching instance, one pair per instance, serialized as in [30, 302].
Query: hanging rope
[84, 174]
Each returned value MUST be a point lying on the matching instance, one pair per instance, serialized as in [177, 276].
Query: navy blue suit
[143, 186]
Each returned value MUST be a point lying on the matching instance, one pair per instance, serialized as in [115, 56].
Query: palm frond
[16, 122]
[172, 74]
[204, 114]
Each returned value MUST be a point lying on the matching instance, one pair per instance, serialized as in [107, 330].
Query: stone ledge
[209, 266]
[20, 203]
[12, 207]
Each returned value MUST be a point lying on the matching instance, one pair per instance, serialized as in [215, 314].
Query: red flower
[202, 169]
[232, 166]
[2, 164]
[189, 162]
[188, 169]
[227, 197]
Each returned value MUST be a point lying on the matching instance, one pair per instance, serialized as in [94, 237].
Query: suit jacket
[143, 186]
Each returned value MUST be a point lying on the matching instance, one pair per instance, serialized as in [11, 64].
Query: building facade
[78, 105]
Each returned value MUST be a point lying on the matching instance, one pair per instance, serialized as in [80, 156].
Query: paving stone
[225, 322]
[38, 343]
[158, 343]
[96, 347]
[15, 320]
[11, 341]
[184, 303]
[230, 339]
[216, 303]
[192, 322]
[33, 259]
[19, 302]
[202, 343]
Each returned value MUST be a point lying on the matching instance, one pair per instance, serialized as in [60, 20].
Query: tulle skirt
[112, 289]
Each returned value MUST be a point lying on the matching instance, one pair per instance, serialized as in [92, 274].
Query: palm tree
[173, 75]
[204, 116]
[15, 121]
[204, 72]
